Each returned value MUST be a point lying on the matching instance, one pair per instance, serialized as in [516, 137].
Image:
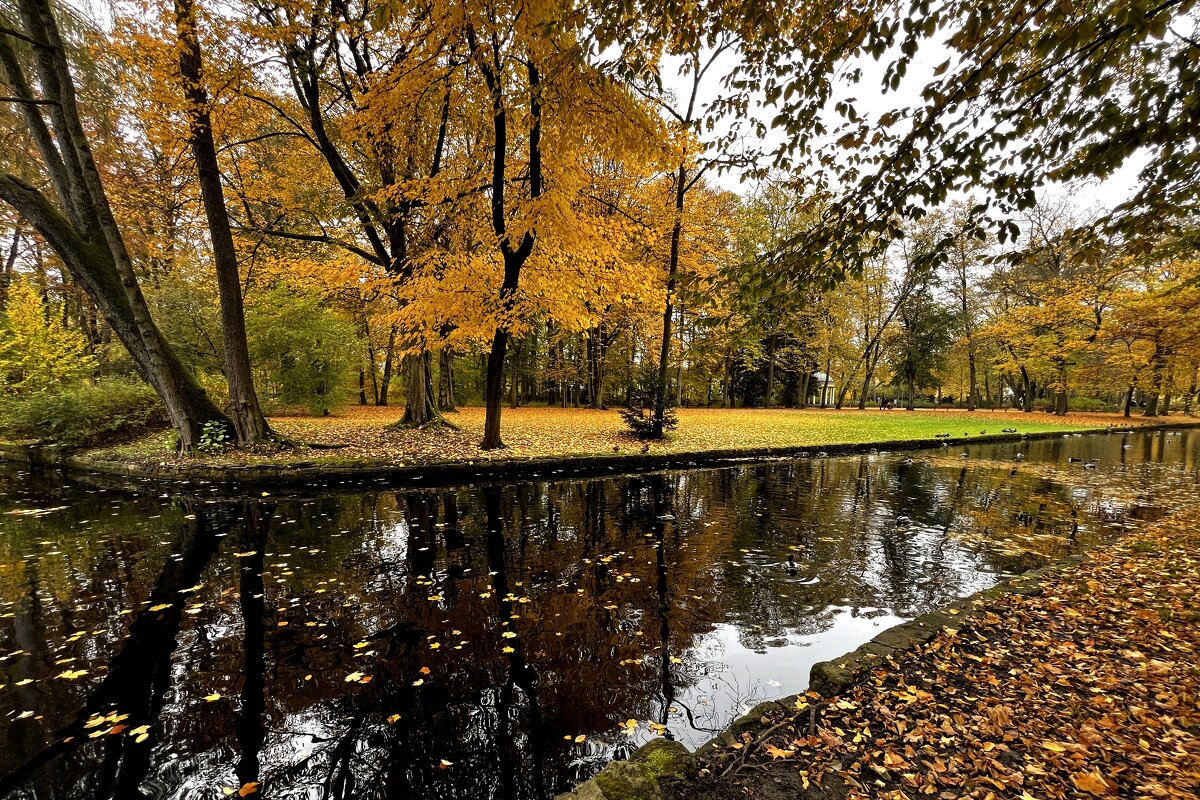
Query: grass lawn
[364, 434]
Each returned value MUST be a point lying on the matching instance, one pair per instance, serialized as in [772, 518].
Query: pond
[495, 641]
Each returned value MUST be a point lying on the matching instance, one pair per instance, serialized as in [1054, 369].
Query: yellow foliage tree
[37, 352]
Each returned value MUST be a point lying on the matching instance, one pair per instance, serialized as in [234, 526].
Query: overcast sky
[872, 102]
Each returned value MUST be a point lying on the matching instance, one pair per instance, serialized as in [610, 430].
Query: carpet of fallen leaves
[1089, 689]
[367, 434]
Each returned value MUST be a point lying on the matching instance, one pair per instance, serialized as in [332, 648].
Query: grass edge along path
[1085, 684]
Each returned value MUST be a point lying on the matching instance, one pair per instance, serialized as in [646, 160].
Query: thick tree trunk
[446, 380]
[248, 421]
[419, 408]
[1129, 397]
[1060, 402]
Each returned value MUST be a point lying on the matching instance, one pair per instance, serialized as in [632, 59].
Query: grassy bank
[1088, 687]
[366, 434]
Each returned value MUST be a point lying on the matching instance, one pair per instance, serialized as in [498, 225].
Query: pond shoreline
[1112, 631]
[686, 773]
[192, 472]
[638, 778]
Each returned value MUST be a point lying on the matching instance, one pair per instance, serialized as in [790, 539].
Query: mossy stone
[665, 758]
[626, 780]
[828, 679]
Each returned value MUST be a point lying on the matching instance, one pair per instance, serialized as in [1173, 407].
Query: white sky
[872, 102]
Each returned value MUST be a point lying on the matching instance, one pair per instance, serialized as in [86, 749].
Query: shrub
[37, 353]
[641, 420]
[303, 352]
[83, 415]
[638, 413]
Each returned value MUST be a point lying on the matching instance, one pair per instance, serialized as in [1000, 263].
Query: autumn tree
[248, 421]
[1025, 97]
[37, 353]
[64, 200]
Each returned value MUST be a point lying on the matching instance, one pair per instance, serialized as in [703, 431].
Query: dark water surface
[494, 641]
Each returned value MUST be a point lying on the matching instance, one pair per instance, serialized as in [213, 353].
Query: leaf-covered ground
[1089, 689]
[367, 434]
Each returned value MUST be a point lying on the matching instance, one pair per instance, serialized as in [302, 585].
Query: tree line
[253, 203]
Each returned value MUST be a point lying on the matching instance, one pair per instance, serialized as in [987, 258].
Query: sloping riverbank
[1076, 681]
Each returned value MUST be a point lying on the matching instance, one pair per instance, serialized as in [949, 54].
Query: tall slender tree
[248, 420]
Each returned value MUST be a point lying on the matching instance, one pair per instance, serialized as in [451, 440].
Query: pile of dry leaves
[1089, 689]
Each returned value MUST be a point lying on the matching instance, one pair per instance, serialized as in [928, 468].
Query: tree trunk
[514, 370]
[9, 263]
[825, 383]
[446, 380]
[1026, 391]
[1129, 397]
[1060, 402]
[493, 395]
[418, 404]
[972, 381]
[1191, 393]
[804, 380]
[362, 386]
[770, 399]
[597, 344]
[385, 380]
[248, 421]
[727, 383]
[1168, 389]
[1157, 362]
[664, 353]
[872, 360]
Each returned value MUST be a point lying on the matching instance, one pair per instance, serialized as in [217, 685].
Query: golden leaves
[1091, 782]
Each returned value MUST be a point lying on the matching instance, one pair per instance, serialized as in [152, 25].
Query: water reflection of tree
[137, 679]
